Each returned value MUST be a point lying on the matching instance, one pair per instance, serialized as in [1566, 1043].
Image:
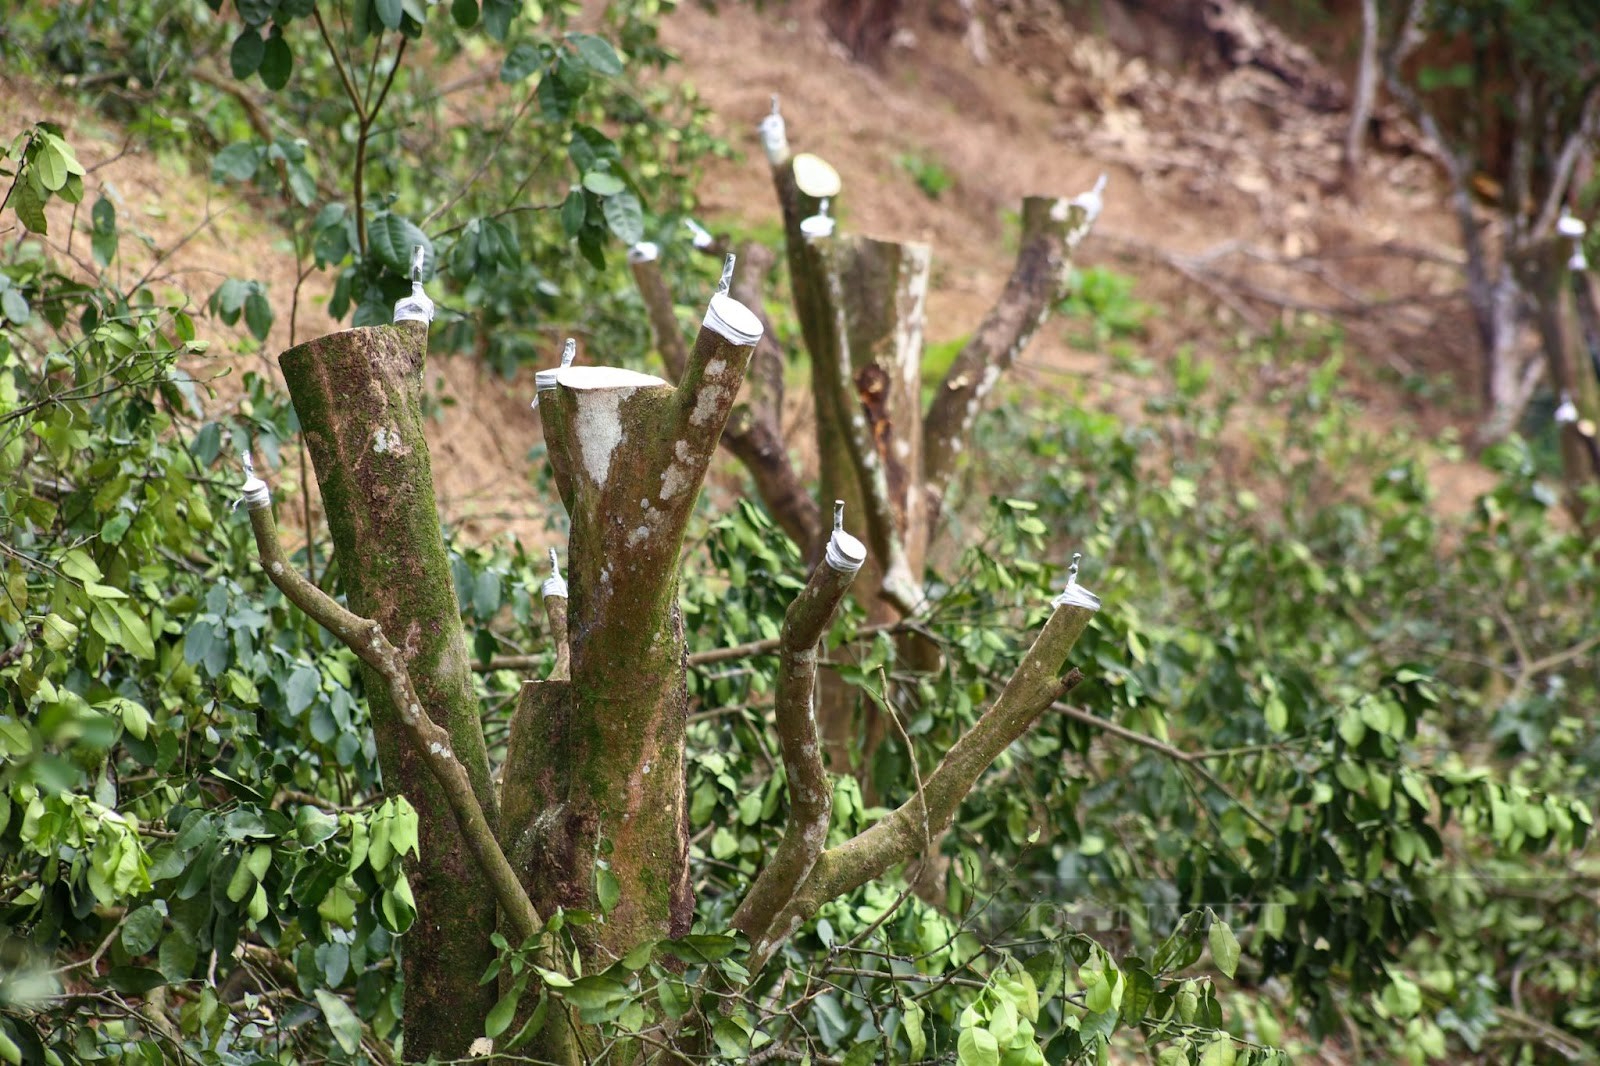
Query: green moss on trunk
[358, 397]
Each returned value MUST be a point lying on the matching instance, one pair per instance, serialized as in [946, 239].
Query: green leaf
[258, 315]
[625, 217]
[731, 1038]
[389, 13]
[277, 62]
[29, 206]
[237, 162]
[595, 992]
[142, 930]
[911, 1025]
[977, 1047]
[596, 53]
[607, 890]
[103, 234]
[50, 166]
[403, 828]
[14, 306]
[1219, 1052]
[312, 825]
[342, 1021]
[503, 1011]
[1003, 1021]
[391, 239]
[603, 183]
[244, 59]
[573, 209]
[465, 13]
[303, 686]
[58, 633]
[135, 632]
[1224, 946]
[521, 61]
[135, 980]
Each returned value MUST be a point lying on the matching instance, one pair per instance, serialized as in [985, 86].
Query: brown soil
[1220, 203]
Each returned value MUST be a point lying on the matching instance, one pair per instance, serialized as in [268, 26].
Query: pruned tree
[590, 812]
[861, 306]
[1520, 121]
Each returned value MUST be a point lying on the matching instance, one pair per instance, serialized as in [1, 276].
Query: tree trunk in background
[884, 319]
[1550, 292]
[358, 395]
[865, 27]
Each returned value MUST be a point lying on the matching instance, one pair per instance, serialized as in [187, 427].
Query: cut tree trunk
[358, 395]
[884, 316]
[594, 777]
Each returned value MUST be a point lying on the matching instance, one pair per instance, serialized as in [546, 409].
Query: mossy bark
[594, 776]
[358, 395]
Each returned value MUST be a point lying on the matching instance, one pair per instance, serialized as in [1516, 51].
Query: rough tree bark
[754, 433]
[358, 395]
[594, 768]
[593, 784]
[861, 308]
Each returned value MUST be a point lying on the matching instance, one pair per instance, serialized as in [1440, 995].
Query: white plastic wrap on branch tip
[1093, 201]
[1567, 413]
[733, 320]
[701, 236]
[256, 492]
[416, 307]
[774, 135]
[545, 380]
[1075, 595]
[555, 584]
[818, 225]
[844, 553]
[643, 252]
[1573, 229]
[725, 282]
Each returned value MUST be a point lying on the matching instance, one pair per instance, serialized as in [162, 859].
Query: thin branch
[365, 637]
[1051, 231]
[710, 656]
[1037, 683]
[810, 791]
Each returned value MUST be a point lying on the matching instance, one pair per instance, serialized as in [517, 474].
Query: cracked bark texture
[358, 395]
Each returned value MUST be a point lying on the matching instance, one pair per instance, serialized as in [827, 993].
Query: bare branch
[810, 791]
[753, 432]
[366, 638]
[1051, 231]
[1037, 683]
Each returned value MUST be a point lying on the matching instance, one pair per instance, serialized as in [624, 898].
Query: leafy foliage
[1330, 749]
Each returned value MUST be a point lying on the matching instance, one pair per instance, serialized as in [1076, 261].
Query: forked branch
[753, 433]
[366, 638]
[1038, 682]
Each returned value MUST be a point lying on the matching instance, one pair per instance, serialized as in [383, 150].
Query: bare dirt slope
[1223, 198]
[1220, 203]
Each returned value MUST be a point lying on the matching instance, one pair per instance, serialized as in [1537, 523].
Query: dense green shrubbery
[1328, 745]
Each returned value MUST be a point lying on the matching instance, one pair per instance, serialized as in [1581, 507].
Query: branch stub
[733, 320]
